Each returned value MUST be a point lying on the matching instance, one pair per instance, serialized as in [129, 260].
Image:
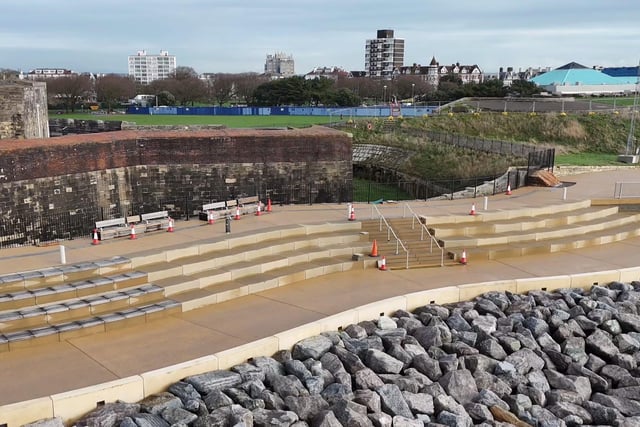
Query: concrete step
[60, 331]
[260, 265]
[78, 308]
[254, 283]
[34, 296]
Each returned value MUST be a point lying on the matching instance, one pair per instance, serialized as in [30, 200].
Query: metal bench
[154, 221]
[111, 228]
[248, 204]
[213, 211]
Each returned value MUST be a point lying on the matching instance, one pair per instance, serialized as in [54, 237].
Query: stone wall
[23, 110]
[107, 175]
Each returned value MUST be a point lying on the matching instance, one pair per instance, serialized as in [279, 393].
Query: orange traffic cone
[237, 213]
[508, 189]
[132, 236]
[95, 240]
[382, 264]
[374, 249]
[352, 215]
[170, 226]
[473, 209]
[268, 205]
[463, 257]
[210, 218]
[258, 211]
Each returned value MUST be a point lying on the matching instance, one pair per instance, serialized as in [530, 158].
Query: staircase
[58, 303]
[534, 230]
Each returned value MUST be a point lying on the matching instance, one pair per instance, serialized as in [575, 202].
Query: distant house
[333, 73]
[576, 79]
[433, 72]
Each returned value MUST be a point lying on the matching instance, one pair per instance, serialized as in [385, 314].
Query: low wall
[70, 406]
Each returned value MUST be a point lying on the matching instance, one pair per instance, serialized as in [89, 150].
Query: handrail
[424, 228]
[389, 232]
[618, 187]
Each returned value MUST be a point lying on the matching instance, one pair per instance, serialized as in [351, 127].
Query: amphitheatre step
[602, 237]
[522, 224]
[230, 289]
[259, 265]
[79, 308]
[89, 325]
[575, 229]
[227, 259]
[44, 295]
[56, 275]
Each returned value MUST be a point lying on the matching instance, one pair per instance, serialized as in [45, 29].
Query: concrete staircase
[495, 235]
[422, 251]
[63, 302]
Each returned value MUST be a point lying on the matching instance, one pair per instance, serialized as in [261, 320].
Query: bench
[154, 221]
[111, 228]
[215, 210]
[248, 204]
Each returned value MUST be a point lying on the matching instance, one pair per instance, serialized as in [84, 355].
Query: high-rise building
[147, 68]
[383, 55]
[279, 65]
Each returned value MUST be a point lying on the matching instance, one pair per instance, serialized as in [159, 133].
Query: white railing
[626, 190]
[390, 233]
[423, 230]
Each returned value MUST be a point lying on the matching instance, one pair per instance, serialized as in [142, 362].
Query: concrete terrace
[55, 367]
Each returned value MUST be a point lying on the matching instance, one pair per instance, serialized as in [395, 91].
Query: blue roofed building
[576, 79]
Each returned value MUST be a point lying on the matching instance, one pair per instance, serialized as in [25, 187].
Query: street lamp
[384, 94]
[413, 100]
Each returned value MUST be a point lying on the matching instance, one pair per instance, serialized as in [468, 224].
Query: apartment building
[279, 65]
[145, 68]
[384, 55]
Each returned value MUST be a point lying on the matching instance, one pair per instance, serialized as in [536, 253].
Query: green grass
[369, 191]
[228, 121]
[618, 101]
[589, 159]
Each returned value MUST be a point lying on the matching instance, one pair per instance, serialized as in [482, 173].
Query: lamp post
[384, 94]
[413, 100]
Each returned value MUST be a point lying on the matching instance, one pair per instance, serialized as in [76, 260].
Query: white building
[147, 68]
[383, 55]
[279, 65]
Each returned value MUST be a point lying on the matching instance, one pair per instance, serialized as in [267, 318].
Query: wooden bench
[154, 221]
[248, 204]
[111, 228]
[215, 210]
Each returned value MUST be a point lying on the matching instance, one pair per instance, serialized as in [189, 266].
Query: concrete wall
[23, 110]
[72, 405]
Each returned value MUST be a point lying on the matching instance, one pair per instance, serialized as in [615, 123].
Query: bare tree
[221, 87]
[114, 89]
[69, 90]
[186, 86]
[246, 84]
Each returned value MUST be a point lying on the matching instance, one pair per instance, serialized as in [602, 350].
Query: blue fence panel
[285, 111]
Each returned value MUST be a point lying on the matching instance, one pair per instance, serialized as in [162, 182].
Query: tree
[69, 90]
[113, 89]
[221, 88]
[524, 88]
[185, 85]
[9, 74]
[246, 84]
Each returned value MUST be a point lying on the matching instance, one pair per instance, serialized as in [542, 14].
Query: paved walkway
[53, 368]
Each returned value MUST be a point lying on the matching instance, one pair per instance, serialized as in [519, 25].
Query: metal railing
[632, 190]
[390, 233]
[423, 229]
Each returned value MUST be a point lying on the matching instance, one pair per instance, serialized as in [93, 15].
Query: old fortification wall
[78, 179]
[23, 110]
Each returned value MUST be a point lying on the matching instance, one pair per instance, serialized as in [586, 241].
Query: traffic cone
[237, 213]
[463, 257]
[132, 236]
[352, 215]
[383, 264]
[473, 209]
[258, 211]
[269, 205]
[210, 218]
[170, 226]
[508, 189]
[374, 249]
[95, 240]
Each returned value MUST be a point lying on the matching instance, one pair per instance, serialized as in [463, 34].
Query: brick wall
[119, 173]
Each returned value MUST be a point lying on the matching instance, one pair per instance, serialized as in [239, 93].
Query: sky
[234, 36]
